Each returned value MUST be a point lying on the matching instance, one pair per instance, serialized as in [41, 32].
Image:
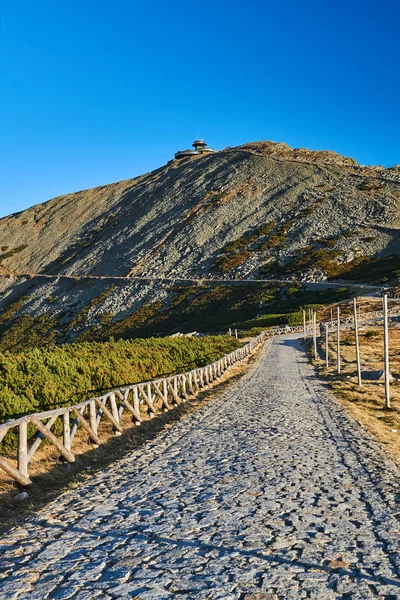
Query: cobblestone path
[268, 492]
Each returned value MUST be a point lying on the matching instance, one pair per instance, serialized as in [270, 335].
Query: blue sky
[93, 92]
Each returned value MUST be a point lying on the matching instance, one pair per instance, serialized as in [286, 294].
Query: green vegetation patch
[45, 378]
[372, 270]
[359, 270]
[215, 308]
[267, 237]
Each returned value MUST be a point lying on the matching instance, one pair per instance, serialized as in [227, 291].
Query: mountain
[250, 212]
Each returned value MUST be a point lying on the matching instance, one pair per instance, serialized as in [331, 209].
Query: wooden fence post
[315, 334]
[357, 342]
[338, 340]
[93, 415]
[326, 345]
[23, 449]
[67, 454]
[386, 350]
[66, 431]
[304, 325]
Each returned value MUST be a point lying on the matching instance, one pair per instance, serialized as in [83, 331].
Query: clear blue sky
[97, 91]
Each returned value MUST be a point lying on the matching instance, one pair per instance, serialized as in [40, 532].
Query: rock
[375, 375]
[22, 497]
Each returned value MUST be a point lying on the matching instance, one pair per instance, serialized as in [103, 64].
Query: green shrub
[231, 261]
[45, 378]
[371, 334]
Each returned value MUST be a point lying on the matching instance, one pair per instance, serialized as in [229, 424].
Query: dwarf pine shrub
[48, 377]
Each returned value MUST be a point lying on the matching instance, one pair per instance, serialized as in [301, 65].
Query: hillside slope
[246, 212]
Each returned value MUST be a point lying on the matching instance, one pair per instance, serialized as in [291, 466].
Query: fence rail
[151, 397]
[284, 329]
[369, 316]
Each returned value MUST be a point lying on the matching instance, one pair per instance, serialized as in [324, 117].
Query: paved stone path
[268, 492]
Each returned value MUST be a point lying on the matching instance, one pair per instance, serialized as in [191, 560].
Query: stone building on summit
[200, 147]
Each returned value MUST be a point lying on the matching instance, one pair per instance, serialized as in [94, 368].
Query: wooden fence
[354, 321]
[151, 397]
[369, 316]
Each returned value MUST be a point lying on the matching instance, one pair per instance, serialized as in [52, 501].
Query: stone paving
[268, 492]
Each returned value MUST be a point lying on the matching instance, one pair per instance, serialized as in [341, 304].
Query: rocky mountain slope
[258, 210]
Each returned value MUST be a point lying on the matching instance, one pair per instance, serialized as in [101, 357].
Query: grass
[367, 403]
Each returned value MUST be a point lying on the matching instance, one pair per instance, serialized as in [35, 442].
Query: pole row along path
[268, 492]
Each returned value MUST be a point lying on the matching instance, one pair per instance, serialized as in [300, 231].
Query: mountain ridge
[254, 211]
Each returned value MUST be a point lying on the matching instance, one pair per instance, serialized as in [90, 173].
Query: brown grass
[367, 403]
[51, 477]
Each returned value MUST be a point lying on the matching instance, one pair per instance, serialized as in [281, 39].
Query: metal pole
[338, 340]
[326, 345]
[357, 342]
[386, 350]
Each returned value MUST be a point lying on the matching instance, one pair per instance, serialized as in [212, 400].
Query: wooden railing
[286, 329]
[369, 316]
[151, 397]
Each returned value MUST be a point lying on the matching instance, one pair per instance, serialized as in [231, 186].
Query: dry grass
[365, 303]
[367, 403]
[51, 477]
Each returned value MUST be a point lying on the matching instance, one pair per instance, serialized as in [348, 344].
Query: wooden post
[331, 314]
[13, 472]
[136, 402]
[315, 334]
[23, 448]
[81, 419]
[304, 325]
[93, 415]
[236, 334]
[386, 350]
[67, 454]
[165, 392]
[66, 431]
[326, 345]
[175, 387]
[338, 340]
[229, 331]
[114, 411]
[357, 342]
